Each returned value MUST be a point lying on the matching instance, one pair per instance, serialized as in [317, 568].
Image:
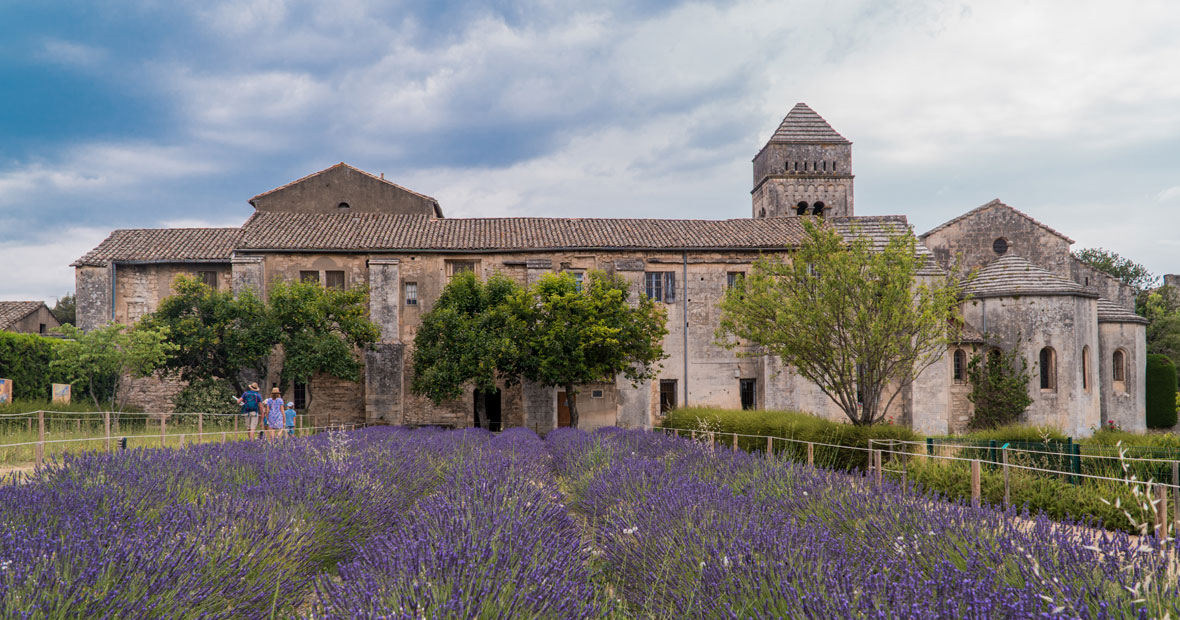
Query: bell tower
[805, 169]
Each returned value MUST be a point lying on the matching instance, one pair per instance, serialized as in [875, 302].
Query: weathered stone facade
[27, 317]
[345, 227]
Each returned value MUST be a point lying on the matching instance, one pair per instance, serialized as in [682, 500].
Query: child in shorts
[289, 414]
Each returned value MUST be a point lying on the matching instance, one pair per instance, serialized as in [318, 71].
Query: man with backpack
[250, 401]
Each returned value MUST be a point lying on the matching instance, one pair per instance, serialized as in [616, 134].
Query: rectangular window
[749, 393]
[334, 279]
[309, 276]
[455, 267]
[411, 293]
[41, 329]
[667, 395]
[660, 285]
[300, 399]
[732, 277]
[208, 278]
[578, 276]
[596, 394]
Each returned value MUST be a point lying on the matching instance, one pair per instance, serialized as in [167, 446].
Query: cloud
[1172, 194]
[37, 266]
[72, 54]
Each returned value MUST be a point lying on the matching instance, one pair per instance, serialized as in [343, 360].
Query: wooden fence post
[106, 428]
[182, 440]
[1161, 511]
[735, 442]
[40, 437]
[200, 424]
[1007, 489]
[1176, 497]
[878, 469]
[235, 427]
[222, 436]
[163, 426]
[769, 447]
[976, 492]
[78, 425]
[810, 454]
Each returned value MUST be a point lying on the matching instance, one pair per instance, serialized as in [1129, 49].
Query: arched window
[1048, 369]
[762, 212]
[825, 164]
[817, 209]
[960, 366]
[1086, 368]
[801, 208]
[1119, 371]
[343, 205]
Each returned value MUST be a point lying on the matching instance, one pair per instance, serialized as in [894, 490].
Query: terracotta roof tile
[163, 244]
[13, 311]
[1011, 275]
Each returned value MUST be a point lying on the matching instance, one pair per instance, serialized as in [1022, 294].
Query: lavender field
[392, 523]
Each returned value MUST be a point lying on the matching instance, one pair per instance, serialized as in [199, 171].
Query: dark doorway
[563, 410]
[491, 402]
[749, 392]
[667, 395]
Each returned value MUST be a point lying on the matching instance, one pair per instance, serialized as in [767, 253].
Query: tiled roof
[163, 244]
[376, 231]
[1011, 275]
[992, 205]
[340, 165]
[802, 124]
[1110, 312]
[13, 311]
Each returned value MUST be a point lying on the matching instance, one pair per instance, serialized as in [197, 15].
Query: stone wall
[1124, 402]
[40, 321]
[970, 241]
[152, 394]
[325, 191]
[139, 288]
[92, 291]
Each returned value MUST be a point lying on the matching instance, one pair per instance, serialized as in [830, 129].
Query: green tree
[207, 395]
[566, 336]
[1122, 269]
[65, 309]
[1161, 308]
[216, 333]
[100, 360]
[1161, 392]
[852, 319]
[999, 388]
[319, 330]
[464, 340]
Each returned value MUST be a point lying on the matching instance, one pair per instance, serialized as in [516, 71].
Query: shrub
[25, 358]
[207, 395]
[1017, 432]
[1161, 391]
[1036, 492]
[999, 388]
[802, 427]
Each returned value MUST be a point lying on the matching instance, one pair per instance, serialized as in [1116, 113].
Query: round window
[999, 246]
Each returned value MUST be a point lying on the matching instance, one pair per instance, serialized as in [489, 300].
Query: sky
[153, 113]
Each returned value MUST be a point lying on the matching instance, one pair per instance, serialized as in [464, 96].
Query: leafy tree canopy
[852, 319]
[100, 360]
[1122, 269]
[569, 336]
[999, 387]
[65, 309]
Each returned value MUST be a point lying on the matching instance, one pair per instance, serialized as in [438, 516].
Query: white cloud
[38, 266]
[72, 54]
[1171, 194]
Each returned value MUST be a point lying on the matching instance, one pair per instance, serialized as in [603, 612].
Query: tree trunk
[481, 409]
[571, 401]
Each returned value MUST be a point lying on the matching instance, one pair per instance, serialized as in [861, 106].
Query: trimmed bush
[1161, 391]
[1017, 432]
[803, 427]
[207, 395]
[24, 358]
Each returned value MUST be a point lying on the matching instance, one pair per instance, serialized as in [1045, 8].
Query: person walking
[274, 413]
[290, 419]
[250, 401]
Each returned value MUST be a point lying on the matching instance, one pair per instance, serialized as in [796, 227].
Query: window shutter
[670, 286]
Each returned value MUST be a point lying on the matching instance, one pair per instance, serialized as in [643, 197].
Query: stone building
[342, 226]
[27, 317]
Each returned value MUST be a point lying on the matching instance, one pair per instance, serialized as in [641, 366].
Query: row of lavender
[389, 523]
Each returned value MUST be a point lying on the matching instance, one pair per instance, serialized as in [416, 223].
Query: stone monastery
[342, 226]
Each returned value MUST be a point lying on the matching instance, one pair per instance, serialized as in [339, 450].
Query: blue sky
[151, 113]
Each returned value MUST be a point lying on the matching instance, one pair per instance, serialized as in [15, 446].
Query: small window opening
[208, 278]
[1048, 359]
[825, 164]
[999, 246]
[343, 205]
[749, 393]
[667, 395]
[960, 366]
[762, 212]
[411, 293]
[1119, 372]
[334, 279]
[41, 329]
[1086, 368]
[309, 276]
[796, 166]
[300, 398]
[818, 209]
[801, 208]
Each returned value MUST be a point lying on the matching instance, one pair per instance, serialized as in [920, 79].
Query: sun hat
[291, 405]
[254, 386]
[275, 390]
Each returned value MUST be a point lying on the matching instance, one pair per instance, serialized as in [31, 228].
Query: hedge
[1161, 391]
[803, 427]
[24, 358]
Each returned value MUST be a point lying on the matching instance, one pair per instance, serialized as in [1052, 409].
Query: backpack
[250, 401]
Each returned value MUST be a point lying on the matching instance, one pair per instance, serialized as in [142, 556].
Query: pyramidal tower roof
[802, 124]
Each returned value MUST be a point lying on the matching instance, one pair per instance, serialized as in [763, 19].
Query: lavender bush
[393, 523]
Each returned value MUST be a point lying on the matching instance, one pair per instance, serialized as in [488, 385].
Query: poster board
[5, 391]
[61, 393]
